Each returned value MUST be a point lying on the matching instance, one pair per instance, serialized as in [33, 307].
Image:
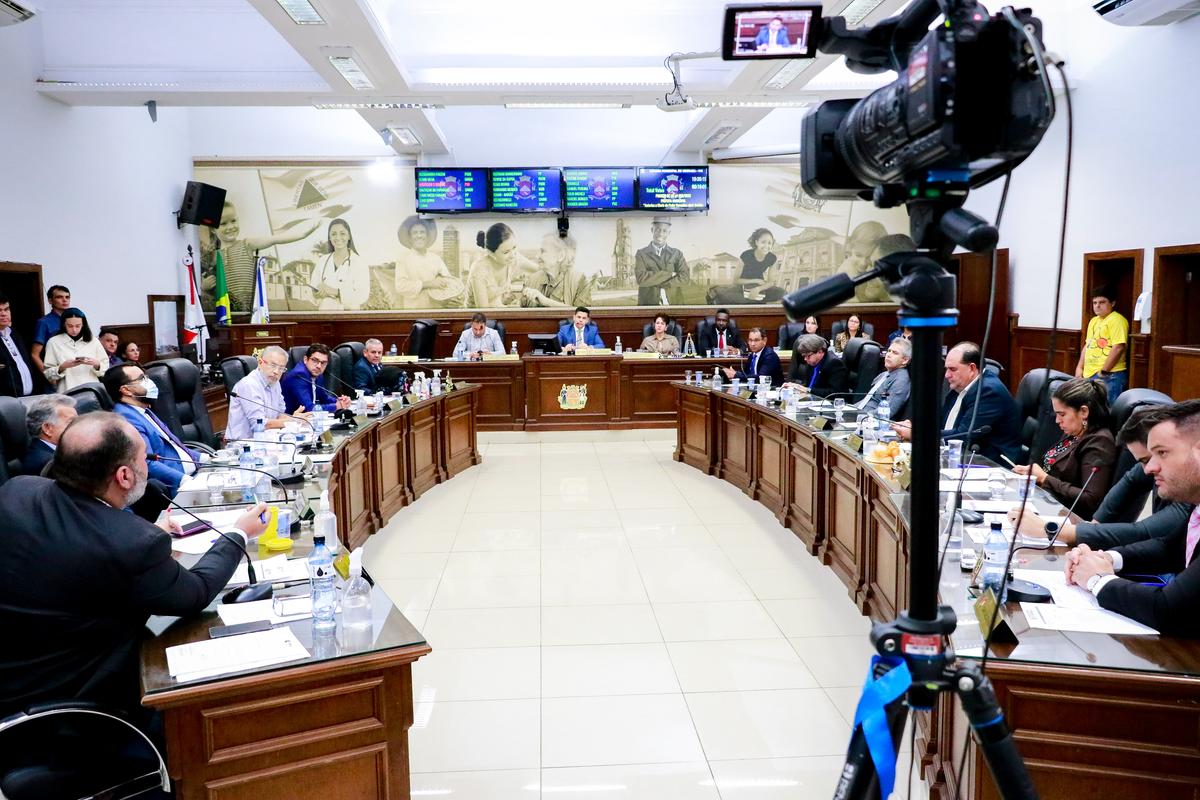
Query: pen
[1009, 460]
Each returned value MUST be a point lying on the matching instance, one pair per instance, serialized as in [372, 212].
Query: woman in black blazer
[1081, 411]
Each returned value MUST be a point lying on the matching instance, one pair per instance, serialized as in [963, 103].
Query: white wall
[1136, 175]
[88, 192]
[269, 133]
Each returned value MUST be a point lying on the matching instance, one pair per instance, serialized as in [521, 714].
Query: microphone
[1053, 529]
[982, 430]
[242, 594]
[339, 380]
[286, 497]
[268, 408]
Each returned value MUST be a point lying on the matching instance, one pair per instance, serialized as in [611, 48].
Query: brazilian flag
[221, 308]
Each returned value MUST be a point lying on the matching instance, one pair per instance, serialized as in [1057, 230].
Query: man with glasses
[133, 393]
[304, 385]
[893, 383]
[259, 397]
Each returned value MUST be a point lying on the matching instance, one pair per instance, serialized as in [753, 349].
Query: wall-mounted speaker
[202, 205]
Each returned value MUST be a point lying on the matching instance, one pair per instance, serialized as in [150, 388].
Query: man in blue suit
[366, 371]
[773, 34]
[970, 385]
[582, 333]
[132, 393]
[761, 360]
[304, 384]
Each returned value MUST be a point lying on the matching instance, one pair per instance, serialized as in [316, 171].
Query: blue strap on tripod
[871, 716]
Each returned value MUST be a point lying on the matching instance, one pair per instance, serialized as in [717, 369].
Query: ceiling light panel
[346, 62]
[784, 76]
[301, 12]
[565, 104]
[404, 136]
[858, 10]
[383, 106]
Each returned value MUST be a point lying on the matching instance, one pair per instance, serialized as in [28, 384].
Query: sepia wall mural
[346, 238]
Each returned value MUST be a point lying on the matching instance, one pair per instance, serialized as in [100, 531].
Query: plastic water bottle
[248, 477]
[325, 524]
[320, 581]
[995, 557]
[617, 348]
[356, 606]
[884, 410]
[260, 429]
[435, 386]
[513, 351]
[392, 352]
[716, 384]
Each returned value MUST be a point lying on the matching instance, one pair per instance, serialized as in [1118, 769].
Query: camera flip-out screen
[771, 31]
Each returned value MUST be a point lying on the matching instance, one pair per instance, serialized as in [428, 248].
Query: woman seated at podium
[1081, 411]
[854, 330]
[660, 341]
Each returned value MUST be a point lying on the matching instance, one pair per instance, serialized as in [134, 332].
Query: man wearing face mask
[79, 576]
[132, 393]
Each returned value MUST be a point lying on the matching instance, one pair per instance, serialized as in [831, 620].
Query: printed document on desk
[213, 657]
[272, 570]
[1087, 620]
[1066, 595]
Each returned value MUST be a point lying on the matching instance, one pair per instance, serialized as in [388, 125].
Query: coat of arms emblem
[572, 397]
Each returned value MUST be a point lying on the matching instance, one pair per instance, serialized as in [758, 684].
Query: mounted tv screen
[673, 188]
[600, 188]
[527, 189]
[451, 190]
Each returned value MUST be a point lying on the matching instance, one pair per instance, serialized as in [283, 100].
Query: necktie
[754, 364]
[721, 339]
[813, 380]
[1193, 535]
[578, 336]
[164, 430]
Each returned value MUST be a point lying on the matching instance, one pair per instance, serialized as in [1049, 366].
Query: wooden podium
[244, 339]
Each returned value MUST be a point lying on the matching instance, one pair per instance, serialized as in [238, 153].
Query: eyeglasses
[274, 367]
[320, 362]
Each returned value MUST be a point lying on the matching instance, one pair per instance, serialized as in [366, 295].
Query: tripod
[914, 666]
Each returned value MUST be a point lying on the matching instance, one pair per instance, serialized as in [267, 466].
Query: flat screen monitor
[673, 188]
[771, 31]
[600, 188]
[527, 189]
[451, 190]
[544, 343]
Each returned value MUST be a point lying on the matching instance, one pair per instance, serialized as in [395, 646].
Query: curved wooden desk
[334, 724]
[1093, 714]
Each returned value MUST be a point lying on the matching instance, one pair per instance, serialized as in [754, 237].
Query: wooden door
[974, 271]
[1173, 319]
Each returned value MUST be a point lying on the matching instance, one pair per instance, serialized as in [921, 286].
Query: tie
[754, 364]
[578, 336]
[165, 431]
[721, 340]
[1193, 535]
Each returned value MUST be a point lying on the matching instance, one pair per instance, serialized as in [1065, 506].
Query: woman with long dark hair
[74, 356]
[338, 282]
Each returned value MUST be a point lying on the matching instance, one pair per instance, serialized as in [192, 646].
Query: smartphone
[191, 528]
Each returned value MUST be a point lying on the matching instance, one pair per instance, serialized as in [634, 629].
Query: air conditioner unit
[1146, 12]
[11, 13]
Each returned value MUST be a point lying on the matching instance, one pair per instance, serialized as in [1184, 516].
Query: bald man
[79, 576]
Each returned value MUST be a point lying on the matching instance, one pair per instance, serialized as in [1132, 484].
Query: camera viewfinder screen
[771, 32]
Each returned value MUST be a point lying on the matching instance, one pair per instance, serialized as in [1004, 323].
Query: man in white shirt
[477, 339]
[893, 383]
[16, 374]
[258, 396]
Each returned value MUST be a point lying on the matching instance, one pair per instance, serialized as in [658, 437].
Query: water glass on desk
[839, 403]
[952, 455]
[216, 486]
[764, 383]
[997, 483]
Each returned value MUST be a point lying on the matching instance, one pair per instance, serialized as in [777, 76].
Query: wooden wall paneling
[735, 444]
[770, 474]
[217, 405]
[844, 511]
[458, 432]
[1184, 369]
[1032, 345]
[392, 491]
[1173, 318]
[244, 339]
[805, 489]
[695, 444]
[424, 448]
[1140, 347]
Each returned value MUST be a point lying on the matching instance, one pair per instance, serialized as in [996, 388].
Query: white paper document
[995, 506]
[237, 613]
[207, 659]
[272, 570]
[1066, 595]
[973, 473]
[969, 485]
[1088, 620]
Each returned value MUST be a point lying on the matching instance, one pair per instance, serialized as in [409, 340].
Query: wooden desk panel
[695, 430]
[1184, 365]
[545, 379]
[458, 435]
[804, 490]
[424, 450]
[844, 515]
[501, 402]
[392, 488]
[735, 440]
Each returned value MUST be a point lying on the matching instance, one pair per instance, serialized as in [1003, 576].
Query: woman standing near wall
[74, 356]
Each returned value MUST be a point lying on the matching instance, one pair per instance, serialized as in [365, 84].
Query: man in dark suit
[79, 577]
[581, 332]
[815, 369]
[45, 418]
[366, 371]
[761, 360]
[971, 385]
[1174, 444]
[720, 336]
[17, 373]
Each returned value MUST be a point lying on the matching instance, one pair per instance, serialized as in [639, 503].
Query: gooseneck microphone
[272, 410]
[275, 479]
[1052, 528]
[982, 430]
[242, 594]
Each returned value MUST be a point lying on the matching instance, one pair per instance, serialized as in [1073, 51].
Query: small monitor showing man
[771, 31]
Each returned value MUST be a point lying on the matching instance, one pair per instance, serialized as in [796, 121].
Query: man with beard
[660, 269]
[79, 576]
[1171, 606]
[556, 283]
[133, 395]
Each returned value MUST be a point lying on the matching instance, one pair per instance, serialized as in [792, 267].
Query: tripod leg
[859, 780]
[994, 738]
[870, 768]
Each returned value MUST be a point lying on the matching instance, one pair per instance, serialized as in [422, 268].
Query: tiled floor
[607, 623]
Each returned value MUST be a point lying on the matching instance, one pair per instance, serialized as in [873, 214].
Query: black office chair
[840, 327]
[673, 329]
[1038, 429]
[993, 366]
[234, 368]
[708, 322]
[296, 354]
[14, 437]
[789, 332]
[180, 402]
[1133, 399]
[349, 354]
[77, 749]
[494, 324]
[90, 397]
[422, 338]
[863, 359]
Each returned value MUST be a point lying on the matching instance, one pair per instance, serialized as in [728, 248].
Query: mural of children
[858, 260]
[337, 283]
[755, 263]
[660, 270]
[422, 278]
[240, 255]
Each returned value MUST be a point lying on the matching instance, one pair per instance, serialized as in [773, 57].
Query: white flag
[261, 313]
[195, 329]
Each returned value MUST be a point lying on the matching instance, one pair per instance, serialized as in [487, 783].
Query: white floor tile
[608, 669]
[483, 627]
[491, 673]
[568, 520]
[739, 665]
[578, 503]
[583, 538]
[664, 535]
[768, 724]
[501, 501]
[403, 565]
[836, 661]
[786, 584]
[632, 518]
[515, 530]
[688, 622]
[596, 731]
[414, 592]
[496, 591]
[631, 782]
[698, 582]
[475, 735]
[515, 784]
[487, 563]
[822, 616]
[629, 624]
[778, 778]
[571, 586]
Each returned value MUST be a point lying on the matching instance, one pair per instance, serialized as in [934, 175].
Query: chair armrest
[201, 446]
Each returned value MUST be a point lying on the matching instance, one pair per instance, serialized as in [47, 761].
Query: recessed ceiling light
[345, 61]
[301, 12]
[722, 132]
[858, 10]
[401, 135]
[787, 73]
[554, 104]
[751, 104]
[383, 106]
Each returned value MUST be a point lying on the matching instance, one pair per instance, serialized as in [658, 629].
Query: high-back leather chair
[1038, 430]
[495, 325]
[840, 327]
[789, 332]
[708, 322]
[863, 359]
[234, 368]
[14, 437]
[91, 397]
[422, 338]
[348, 355]
[296, 354]
[1133, 399]
[180, 401]
[993, 365]
[673, 329]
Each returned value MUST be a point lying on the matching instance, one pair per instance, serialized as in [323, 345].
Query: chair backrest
[788, 333]
[495, 325]
[180, 401]
[422, 338]
[348, 353]
[673, 329]
[234, 368]
[296, 354]
[1038, 430]
[91, 397]
[707, 323]
[14, 437]
[992, 365]
[1133, 399]
[863, 359]
[840, 327]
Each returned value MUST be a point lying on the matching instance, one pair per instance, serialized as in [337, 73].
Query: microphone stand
[286, 497]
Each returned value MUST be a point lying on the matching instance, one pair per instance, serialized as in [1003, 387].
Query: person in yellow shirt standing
[1105, 346]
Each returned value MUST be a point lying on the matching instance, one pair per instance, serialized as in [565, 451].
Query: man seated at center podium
[581, 334]
[477, 339]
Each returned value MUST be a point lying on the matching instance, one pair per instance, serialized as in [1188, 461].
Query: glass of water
[764, 382]
[839, 403]
[216, 486]
[997, 483]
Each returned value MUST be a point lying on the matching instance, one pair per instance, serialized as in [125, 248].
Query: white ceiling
[465, 57]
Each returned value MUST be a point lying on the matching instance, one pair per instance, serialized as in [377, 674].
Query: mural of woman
[497, 277]
[755, 263]
[338, 283]
[858, 260]
[422, 278]
[240, 254]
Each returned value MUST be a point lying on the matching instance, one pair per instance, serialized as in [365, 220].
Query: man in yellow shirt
[1105, 346]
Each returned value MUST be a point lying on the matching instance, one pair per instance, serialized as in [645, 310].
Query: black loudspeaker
[202, 205]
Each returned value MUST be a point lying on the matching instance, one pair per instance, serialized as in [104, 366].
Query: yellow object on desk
[593, 351]
[640, 355]
[270, 541]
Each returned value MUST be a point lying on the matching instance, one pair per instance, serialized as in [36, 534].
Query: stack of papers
[208, 659]
[1087, 620]
[199, 543]
[1066, 595]
[969, 486]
